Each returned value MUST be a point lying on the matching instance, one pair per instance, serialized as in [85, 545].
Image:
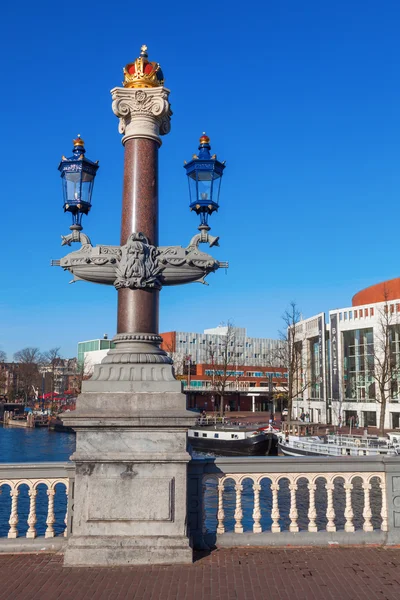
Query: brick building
[246, 388]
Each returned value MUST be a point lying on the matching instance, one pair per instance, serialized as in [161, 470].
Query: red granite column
[138, 309]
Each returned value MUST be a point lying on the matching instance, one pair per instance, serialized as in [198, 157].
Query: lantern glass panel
[72, 187]
[86, 187]
[192, 188]
[216, 187]
[204, 185]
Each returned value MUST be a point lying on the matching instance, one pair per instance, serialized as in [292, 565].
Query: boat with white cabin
[339, 445]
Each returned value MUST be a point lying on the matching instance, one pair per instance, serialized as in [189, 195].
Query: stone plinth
[131, 475]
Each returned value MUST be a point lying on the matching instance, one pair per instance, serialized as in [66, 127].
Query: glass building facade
[91, 345]
[358, 365]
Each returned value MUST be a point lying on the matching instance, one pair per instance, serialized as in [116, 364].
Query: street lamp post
[131, 419]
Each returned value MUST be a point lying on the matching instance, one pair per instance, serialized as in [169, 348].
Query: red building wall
[377, 292]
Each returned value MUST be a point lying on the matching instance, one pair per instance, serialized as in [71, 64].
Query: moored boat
[338, 445]
[226, 440]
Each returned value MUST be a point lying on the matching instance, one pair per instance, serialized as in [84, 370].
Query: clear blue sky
[302, 100]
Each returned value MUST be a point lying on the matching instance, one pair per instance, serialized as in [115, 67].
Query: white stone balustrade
[327, 481]
[261, 500]
[14, 478]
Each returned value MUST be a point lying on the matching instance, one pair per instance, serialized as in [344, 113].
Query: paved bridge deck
[226, 574]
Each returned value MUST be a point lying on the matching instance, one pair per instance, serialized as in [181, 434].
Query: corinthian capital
[142, 113]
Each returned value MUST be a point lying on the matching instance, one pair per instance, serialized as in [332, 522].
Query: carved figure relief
[138, 266]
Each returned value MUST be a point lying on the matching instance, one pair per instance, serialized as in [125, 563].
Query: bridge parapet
[35, 492]
[231, 502]
[279, 501]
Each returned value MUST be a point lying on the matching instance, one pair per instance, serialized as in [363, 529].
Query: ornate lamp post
[131, 418]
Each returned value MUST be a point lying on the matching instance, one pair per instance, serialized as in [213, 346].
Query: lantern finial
[78, 141]
[204, 138]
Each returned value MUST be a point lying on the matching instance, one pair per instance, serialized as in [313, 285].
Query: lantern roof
[141, 73]
[78, 156]
[204, 161]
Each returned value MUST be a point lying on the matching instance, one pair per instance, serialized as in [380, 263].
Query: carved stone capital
[142, 113]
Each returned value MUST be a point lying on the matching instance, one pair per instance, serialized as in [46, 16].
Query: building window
[355, 314]
[358, 364]
[366, 312]
[196, 434]
[340, 316]
[345, 316]
[361, 313]
[372, 311]
[350, 314]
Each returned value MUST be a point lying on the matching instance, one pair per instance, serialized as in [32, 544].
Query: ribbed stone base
[105, 551]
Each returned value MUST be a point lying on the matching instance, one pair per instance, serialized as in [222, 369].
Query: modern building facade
[342, 360]
[92, 352]
[208, 347]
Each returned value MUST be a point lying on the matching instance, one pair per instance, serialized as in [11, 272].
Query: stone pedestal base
[110, 551]
[130, 499]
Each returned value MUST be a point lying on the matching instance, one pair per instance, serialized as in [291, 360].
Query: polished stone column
[138, 309]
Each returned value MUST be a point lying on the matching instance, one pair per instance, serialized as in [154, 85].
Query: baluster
[13, 531]
[66, 514]
[312, 512]
[293, 514]
[348, 511]
[275, 515]
[367, 513]
[31, 533]
[50, 514]
[221, 513]
[330, 511]
[256, 511]
[384, 524]
[238, 511]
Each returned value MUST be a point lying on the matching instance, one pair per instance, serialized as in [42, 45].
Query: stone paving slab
[227, 574]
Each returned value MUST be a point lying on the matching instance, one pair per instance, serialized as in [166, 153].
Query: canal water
[41, 445]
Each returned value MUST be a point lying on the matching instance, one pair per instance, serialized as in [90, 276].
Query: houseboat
[228, 440]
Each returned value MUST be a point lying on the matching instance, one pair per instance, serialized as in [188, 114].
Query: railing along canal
[233, 501]
[36, 499]
[261, 501]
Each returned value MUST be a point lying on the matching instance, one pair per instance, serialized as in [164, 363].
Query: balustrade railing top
[304, 500]
[309, 498]
[48, 487]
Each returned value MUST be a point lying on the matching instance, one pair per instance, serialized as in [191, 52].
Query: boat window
[216, 435]
[204, 435]
[196, 434]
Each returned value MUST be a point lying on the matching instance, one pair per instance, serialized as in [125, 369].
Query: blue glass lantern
[77, 173]
[204, 174]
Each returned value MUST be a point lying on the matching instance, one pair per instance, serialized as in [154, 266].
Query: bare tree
[51, 362]
[289, 355]
[222, 356]
[81, 372]
[29, 360]
[3, 356]
[177, 357]
[385, 363]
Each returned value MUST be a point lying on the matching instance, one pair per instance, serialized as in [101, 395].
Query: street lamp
[78, 174]
[204, 176]
[147, 426]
